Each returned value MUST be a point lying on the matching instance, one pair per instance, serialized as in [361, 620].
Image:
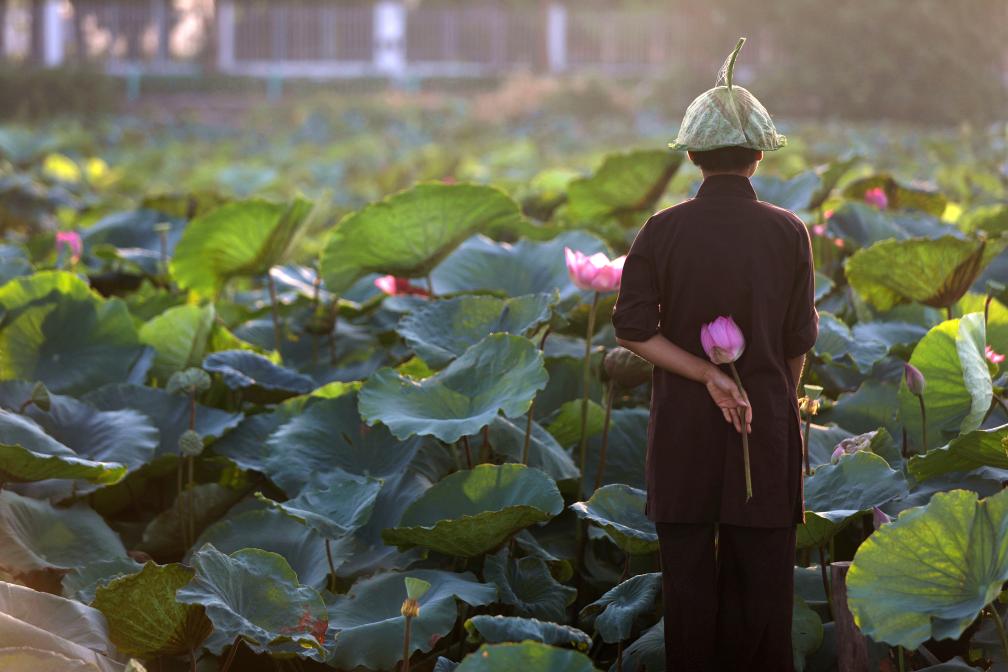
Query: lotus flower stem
[274, 309]
[181, 508]
[406, 645]
[231, 654]
[190, 498]
[948, 312]
[920, 398]
[332, 567]
[610, 396]
[468, 451]
[805, 444]
[586, 379]
[1000, 627]
[619, 656]
[745, 435]
[485, 447]
[899, 658]
[987, 303]
[825, 581]
[528, 422]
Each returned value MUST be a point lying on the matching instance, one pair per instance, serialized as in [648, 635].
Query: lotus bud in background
[879, 517]
[596, 273]
[876, 196]
[394, 286]
[722, 340]
[70, 240]
[626, 368]
[915, 381]
[993, 356]
[190, 444]
[838, 452]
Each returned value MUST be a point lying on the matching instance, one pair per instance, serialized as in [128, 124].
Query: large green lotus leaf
[507, 437]
[241, 238]
[245, 445]
[823, 441]
[179, 336]
[806, 632]
[72, 345]
[565, 424]
[899, 197]
[168, 412]
[959, 387]
[440, 331]
[647, 652]
[794, 194]
[259, 379]
[28, 454]
[997, 318]
[930, 572]
[270, 530]
[837, 343]
[163, 535]
[330, 434]
[454, 402]
[935, 272]
[407, 234]
[979, 448]
[333, 504]
[475, 510]
[81, 583]
[135, 229]
[255, 595]
[625, 185]
[614, 613]
[527, 585]
[527, 656]
[619, 510]
[865, 224]
[36, 535]
[991, 219]
[625, 452]
[368, 629]
[144, 618]
[836, 493]
[497, 629]
[54, 626]
[874, 404]
[14, 262]
[49, 285]
[28, 659]
[515, 269]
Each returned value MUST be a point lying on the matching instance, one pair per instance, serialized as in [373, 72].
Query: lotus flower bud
[190, 444]
[877, 196]
[914, 379]
[838, 452]
[879, 517]
[993, 356]
[70, 240]
[722, 340]
[626, 368]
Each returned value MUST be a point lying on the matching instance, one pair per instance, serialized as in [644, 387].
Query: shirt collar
[726, 184]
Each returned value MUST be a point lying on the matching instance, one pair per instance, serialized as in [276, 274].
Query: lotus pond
[309, 405]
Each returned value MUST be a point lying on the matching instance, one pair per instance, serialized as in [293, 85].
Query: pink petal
[387, 284]
[706, 341]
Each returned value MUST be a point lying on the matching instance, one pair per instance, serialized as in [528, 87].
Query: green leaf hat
[726, 116]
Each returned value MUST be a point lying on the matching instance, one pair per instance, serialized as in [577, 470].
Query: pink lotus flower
[722, 340]
[992, 356]
[596, 273]
[876, 196]
[879, 517]
[72, 241]
[394, 286]
[915, 381]
[819, 229]
[827, 214]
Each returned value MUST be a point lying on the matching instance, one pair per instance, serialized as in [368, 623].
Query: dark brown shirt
[723, 252]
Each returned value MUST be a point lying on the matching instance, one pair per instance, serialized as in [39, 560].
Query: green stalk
[190, 497]
[825, 582]
[899, 657]
[610, 396]
[1000, 627]
[586, 379]
[405, 646]
[332, 567]
[231, 654]
[274, 310]
[468, 452]
[805, 444]
[528, 422]
[920, 398]
[745, 434]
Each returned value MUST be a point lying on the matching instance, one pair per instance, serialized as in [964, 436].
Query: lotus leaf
[935, 272]
[182, 336]
[836, 493]
[979, 448]
[440, 331]
[898, 195]
[874, 404]
[333, 504]
[527, 585]
[81, 583]
[240, 238]
[35, 535]
[164, 535]
[806, 632]
[866, 225]
[565, 423]
[928, 573]
[475, 510]
[144, 618]
[647, 652]
[367, 627]
[794, 194]
[959, 388]
[28, 659]
[255, 595]
[625, 186]
[46, 286]
[408, 233]
[453, 402]
[507, 437]
[260, 380]
[619, 510]
[614, 613]
[13, 263]
[528, 656]
[496, 629]
[625, 453]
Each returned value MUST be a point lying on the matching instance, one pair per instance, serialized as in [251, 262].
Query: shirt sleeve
[801, 324]
[637, 314]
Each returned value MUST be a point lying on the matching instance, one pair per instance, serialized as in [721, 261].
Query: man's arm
[667, 355]
[796, 365]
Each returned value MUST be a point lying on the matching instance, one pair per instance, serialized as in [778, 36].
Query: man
[727, 562]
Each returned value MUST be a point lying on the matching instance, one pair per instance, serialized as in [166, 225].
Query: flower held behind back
[722, 340]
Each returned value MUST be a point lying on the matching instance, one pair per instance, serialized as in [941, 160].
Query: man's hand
[725, 393]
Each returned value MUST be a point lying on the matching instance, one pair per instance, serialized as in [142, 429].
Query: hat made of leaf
[726, 116]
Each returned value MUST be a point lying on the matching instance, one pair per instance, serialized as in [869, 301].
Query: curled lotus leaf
[496, 629]
[619, 510]
[454, 402]
[473, 511]
[259, 378]
[929, 572]
[334, 504]
[979, 448]
[626, 185]
[614, 613]
[527, 585]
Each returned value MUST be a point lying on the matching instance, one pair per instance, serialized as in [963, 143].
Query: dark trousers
[727, 593]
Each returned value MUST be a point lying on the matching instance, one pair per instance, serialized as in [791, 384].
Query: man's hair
[725, 158]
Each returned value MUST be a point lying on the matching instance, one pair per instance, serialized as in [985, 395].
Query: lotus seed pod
[813, 391]
[410, 608]
[626, 368]
[915, 381]
[40, 397]
[727, 116]
[190, 444]
[190, 381]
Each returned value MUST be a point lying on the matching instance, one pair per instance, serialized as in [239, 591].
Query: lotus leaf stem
[920, 398]
[468, 452]
[987, 302]
[586, 380]
[231, 654]
[1000, 627]
[745, 434]
[190, 499]
[528, 422]
[274, 309]
[610, 396]
[332, 567]
[405, 646]
[899, 658]
[948, 312]
[805, 444]
[825, 581]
